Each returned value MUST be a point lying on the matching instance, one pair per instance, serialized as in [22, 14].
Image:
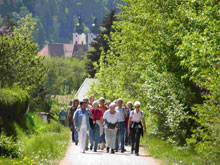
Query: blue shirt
[62, 115]
[78, 118]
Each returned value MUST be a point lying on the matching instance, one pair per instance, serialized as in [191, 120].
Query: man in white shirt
[121, 125]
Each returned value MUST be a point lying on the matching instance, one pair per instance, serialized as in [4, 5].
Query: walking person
[88, 107]
[82, 126]
[121, 126]
[111, 118]
[72, 110]
[129, 108]
[94, 132]
[136, 123]
[62, 116]
[103, 108]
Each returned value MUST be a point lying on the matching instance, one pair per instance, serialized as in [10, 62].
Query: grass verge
[169, 154]
[47, 145]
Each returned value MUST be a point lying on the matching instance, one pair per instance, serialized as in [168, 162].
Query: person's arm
[124, 113]
[143, 121]
[90, 114]
[129, 122]
[74, 120]
[69, 115]
[102, 120]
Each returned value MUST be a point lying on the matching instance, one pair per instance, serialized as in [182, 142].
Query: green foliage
[8, 147]
[165, 54]
[100, 43]
[64, 75]
[169, 154]
[13, 105]
[56, 19]
[40, 143]
[19, 62]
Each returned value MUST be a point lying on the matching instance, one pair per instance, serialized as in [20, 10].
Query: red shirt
[103, 109]
[97, 114]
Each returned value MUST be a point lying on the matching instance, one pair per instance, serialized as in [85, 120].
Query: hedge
[13, 105]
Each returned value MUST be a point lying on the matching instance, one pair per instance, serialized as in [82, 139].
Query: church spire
[94, 26]
[79, 26]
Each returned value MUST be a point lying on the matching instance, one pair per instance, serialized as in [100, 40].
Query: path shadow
[117, 153]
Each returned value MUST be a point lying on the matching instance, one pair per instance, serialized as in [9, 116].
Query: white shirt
[136, 117]
[111, 118]
[83, 124]
[121, 112]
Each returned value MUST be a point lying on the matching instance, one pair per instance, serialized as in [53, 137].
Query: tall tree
[100, 43]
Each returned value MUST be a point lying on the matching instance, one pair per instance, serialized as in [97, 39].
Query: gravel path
[74, 157]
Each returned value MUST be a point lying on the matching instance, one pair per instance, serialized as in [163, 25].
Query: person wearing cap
[62, 116]
[111, 118]
[121, 126]
[136, 123]
[81, 122]
[94, 132]
[103, 108]
[88, 107]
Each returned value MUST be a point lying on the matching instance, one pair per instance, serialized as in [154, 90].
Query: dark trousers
[135, 140]
[74, 134]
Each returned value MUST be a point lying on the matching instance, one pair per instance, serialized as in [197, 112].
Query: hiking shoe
[123, 150]
[107, 149]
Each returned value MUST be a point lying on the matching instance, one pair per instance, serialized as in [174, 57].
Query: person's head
[83, 105]
[101, 101]
[119, 103]
[95, 105]
[129, 105]
[112, 107]
[107, 103]
[137, 105]
[62, 109]
[75, 102]
[71, 103]
[86, 99]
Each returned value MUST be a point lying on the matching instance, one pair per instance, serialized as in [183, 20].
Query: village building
[81, 43]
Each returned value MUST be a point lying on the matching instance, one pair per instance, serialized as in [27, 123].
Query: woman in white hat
[111, 118]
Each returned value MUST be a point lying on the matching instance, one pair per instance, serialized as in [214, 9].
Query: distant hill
[56, 19]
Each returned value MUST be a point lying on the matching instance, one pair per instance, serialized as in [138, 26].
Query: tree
[64, 75]
[100, 43]
[165, 54]
[19, 61]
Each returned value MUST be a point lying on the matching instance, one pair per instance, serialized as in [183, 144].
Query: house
[81, 43]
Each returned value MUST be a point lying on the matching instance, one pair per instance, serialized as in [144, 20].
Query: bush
[13, 105]
[8, 147]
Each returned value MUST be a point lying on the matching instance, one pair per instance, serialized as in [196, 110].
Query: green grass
[47, 145]
[169, 154]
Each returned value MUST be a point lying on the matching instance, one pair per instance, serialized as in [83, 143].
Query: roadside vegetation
[165, 54]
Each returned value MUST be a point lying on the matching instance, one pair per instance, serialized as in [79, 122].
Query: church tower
[79, 37]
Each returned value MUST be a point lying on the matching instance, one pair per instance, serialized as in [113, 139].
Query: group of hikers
[109, 125]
